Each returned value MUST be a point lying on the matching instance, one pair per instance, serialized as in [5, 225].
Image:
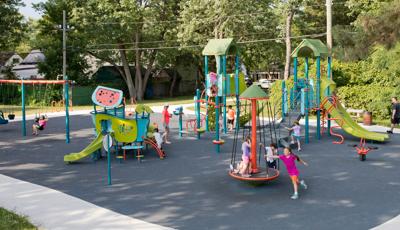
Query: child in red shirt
[165, 120]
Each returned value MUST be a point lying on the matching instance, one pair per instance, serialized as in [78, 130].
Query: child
[270, 151]
[159, 139]
[165, 119]
[231, 117]
[40, 124]
[289, 159]
[244, 166]
[296, 133]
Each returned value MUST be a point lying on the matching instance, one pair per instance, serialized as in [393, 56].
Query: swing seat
[218, 142]
[11, 116]
[3, 122]
[201, 130]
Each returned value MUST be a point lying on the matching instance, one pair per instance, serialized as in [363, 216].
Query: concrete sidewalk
[51, 209]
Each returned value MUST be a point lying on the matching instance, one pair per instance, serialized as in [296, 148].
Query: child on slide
[160, 139]
[289, 159]
[40, 124]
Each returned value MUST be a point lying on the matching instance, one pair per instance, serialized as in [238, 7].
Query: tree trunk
[171, 88]
[289, 19]
[138, 67]
[127, 71]
[148, 71]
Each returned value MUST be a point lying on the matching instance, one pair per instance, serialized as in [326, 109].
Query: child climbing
[244, 166]
[40, 124]
[296, 133]
[270, 151]
[231, 118]
[165, 119]
[289, 159]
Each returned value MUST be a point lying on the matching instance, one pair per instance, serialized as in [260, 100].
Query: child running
[289, 159]
[244, 166]
[231, 118]
[271, 150]
[296, 133]
[40, 124]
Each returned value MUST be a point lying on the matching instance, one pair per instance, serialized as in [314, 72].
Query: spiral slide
[344, 120]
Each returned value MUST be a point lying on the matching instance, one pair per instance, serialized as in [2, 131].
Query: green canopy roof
[254, 92]
[220, 47]
[310, 48]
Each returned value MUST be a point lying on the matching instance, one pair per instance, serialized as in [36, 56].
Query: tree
[245, 21]
[49, 41]
[123, 32]
[12, 25]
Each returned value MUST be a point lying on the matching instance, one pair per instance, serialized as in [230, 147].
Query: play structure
[318, 95]
[114, 129]
[39, 94]
[219, 86]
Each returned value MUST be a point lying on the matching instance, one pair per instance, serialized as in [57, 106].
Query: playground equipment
[307, 96]
[219, 86]
[255, 95]
[30, 95]
[111, 124]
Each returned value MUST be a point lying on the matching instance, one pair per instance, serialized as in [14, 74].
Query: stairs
[287, 121]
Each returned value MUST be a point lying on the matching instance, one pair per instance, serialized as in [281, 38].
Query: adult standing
[395, 117]
[165, 120]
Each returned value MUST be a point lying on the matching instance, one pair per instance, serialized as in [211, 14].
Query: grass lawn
[10, 220]
[43, 110]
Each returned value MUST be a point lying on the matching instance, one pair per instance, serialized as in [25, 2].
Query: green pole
[295, 75]
[328, 93]
[237, 91]
[66, 96]
[307, 124]
[217, 121]
[206, 75]
[225, 92]
[283, 99]
[23, 108]
[317, 99]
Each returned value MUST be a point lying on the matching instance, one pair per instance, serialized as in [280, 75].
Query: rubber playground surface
[191, 188]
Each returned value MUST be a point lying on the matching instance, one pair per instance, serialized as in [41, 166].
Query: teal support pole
[283, 99]
[328, 93]
[206, 74]
[237, 91]
[317, 99]
[197, 111]
[217, 122]
[180, 113]
[108, 161]
[295, 75]
[225, 90]
[307, 104]
[66, 96]
[23, 108]
[303, 99]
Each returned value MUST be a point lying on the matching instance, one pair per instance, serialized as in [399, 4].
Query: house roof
[254, 92]
[220, 47]
[34, 57]
[310, 48]
[5, 56]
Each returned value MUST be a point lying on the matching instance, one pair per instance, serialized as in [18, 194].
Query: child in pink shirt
[289, 159]
[40, 124]
[296, 133]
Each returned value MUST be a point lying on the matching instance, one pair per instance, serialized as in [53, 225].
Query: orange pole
[254, 168]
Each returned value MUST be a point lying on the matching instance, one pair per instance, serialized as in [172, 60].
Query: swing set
[37, 95]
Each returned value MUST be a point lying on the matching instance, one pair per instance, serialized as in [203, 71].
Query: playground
[114, 157]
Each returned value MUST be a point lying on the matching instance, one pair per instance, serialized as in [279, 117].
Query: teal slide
[91, 148]
[344, 120]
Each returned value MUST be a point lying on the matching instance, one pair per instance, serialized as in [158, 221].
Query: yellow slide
[344, 119]
[91, 148]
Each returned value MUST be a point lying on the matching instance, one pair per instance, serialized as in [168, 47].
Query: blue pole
[237, 91]
[66, 96]
[295, 74]
[108, 160]
[23, 108]
[206, 76]
[317, 99]
[307, 105]
[198, 111]
[328, 93]
[180, 111]
[225, 92]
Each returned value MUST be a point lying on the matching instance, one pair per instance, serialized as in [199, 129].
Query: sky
[28, 11]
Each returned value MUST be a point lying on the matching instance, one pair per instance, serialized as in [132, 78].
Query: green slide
[91, 148]
[344, 119]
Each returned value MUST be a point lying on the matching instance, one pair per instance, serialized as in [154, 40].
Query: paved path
[51, 209]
